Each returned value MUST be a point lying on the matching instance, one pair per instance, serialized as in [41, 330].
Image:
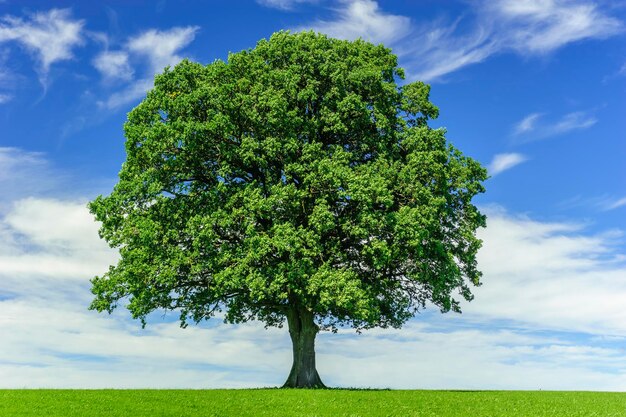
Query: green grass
[274, 402]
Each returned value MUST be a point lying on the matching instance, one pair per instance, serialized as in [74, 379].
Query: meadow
[334, 402]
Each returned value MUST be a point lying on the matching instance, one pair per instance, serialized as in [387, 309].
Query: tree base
[312, 382]
[302, 330]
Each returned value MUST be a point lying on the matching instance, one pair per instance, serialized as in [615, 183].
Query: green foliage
[275, 403]
[295, 173]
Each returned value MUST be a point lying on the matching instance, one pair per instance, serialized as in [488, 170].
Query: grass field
[273, 402]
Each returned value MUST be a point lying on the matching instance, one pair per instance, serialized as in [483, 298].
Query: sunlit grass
[274, 402]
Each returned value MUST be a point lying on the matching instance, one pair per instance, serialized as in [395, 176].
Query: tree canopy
[296, 182]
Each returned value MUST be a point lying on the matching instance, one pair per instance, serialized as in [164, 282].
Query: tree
[297, 182]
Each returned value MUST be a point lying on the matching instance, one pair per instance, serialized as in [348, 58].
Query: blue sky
[534, 89]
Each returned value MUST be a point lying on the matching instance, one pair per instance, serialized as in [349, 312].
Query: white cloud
[503, 161]
[551, 276]
[161, 47]
[363, 19]
[68, 346]
[534, 126]
[5, 98]
[46, 240]
[527, 27]
[431, 357]
[73, 227]
[113, 65]
[157, 49]
[50, 36]
[284, 4]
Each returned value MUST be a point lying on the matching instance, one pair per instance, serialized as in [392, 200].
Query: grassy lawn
[273, 402]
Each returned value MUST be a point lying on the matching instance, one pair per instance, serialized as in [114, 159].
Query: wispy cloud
[503, 161]
[545, 25]
[129, 94]
[284, 4]
[527, 124]
[534, 126]
[7, 78]
[24, 173]
[616, 74]
[363, 19]
[598, 203]
[155, 49]
[49, 36]
[527, 27]
[573, 121]
[443, 49]
[612, 204]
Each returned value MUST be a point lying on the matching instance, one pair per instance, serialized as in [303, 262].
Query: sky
[533, 89]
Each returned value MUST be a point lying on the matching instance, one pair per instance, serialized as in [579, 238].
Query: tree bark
[302, 329]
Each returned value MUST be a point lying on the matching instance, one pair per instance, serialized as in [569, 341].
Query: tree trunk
[302, 329]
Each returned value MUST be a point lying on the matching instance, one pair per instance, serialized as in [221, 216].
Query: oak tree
[298, 182]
